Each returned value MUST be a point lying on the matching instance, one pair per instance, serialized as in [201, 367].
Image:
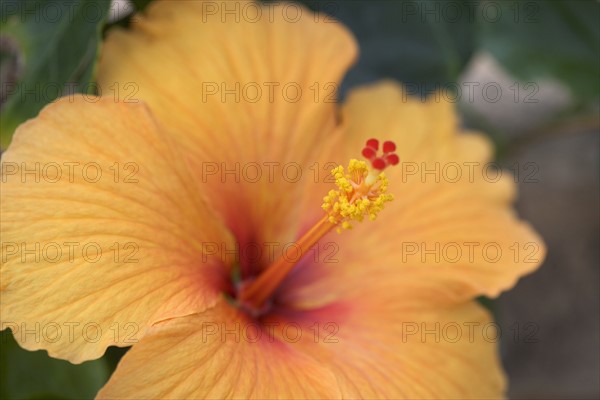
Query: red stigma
[392, 159]
[369, 153]
[378, 163]
[389, 147]
[386, 159]
[373, 143]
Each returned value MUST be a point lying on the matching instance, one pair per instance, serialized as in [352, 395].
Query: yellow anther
[361, 192]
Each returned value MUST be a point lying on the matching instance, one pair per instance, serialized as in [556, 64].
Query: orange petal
[219, 354]
[107, 237]
[248, 88]
[441, 239]
[379, 349]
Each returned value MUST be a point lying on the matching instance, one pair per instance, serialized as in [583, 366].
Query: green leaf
[546, 39]
[140, 5]
[34, 375]
[420, 43]
[54, 46]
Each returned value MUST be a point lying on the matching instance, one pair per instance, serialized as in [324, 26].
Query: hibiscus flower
[199, 223]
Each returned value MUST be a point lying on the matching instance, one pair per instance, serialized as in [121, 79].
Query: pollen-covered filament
[361, 192]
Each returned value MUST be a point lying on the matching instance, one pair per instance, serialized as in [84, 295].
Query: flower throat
[361, 192]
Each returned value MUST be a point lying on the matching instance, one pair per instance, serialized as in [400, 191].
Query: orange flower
[127, 222]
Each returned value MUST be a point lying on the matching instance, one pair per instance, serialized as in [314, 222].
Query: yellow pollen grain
[360, 193]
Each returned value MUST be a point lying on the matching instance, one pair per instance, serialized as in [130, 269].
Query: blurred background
[527, 73]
